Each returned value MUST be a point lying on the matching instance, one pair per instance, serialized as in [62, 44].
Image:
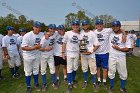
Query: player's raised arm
[123, 36]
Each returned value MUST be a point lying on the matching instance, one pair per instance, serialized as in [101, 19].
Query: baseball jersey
[116, 39]
[58, 46]
[132, 38]
[52, 40]
[72, 43]
[91, 39]
[19, 42]
[45, 43]
[103, 38]
[16, 35]
[30, 39]
[1, 36]
[10, 42]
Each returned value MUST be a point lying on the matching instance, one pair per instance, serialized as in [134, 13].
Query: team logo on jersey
[12, 42]
[74, 40]
[59, 41]
[100, 37]
[51, 42]
[37, 41]
[115, 40]
[86, 38]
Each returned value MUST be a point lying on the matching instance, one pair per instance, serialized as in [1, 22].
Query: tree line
[22, 21]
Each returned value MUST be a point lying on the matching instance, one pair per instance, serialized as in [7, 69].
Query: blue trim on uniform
[102, 60]
[44, 79]
[85, 75]
[28, 80]
[122, 83]
[69, 78]
[112, 82]
[53, 78]
[35, 79]
[12, 71]
[74, 75]
[93, 79]
[16, 69]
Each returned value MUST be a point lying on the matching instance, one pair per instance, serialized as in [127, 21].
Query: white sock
[65, 76]
[57, 78]
[104, 80]
[99, 79]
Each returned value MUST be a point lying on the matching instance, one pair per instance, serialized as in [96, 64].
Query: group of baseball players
[106, 48]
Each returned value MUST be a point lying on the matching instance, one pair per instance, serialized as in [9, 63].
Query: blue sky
[54, 11]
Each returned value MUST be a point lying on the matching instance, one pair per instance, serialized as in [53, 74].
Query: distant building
[129, 25]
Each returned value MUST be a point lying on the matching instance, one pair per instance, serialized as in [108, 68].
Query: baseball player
[89, 59]
[19, 39]
[71, 47]
[31, 55]
[102, 54]
[1, 57]
[10, 48]
[47, 56]
[133, 39]
[58, 53]
[117, 56]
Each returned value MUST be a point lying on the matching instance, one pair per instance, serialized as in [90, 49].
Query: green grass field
[10, 85]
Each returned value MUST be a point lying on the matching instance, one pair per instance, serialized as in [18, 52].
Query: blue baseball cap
[116, 23]
[99, 21]
[37, 24]
[75, 22]
[52, 26]
[9, 28]
[61, 27]
[132, 31]
[22, 30]
[85, 22]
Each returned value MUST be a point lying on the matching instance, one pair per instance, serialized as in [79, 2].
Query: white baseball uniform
[89, 60]
[31, 58]
[10, 42]
[71, 39]
[117, 59]
[58, 46]
[19, 40]
[133, 38]
[103, 38]
[47, 57]
[16, 35]
[1, 53]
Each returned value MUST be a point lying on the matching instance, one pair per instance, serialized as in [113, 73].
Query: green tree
[22, 19]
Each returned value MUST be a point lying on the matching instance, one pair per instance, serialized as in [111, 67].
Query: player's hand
[63, 56]
[116, 47]
[37, 46]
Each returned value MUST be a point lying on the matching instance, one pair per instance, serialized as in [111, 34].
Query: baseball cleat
[69, 89]
[95, 87]
[44, 88]
[105, 85]
[123, 90]
[55, 86]
[74, 83]
[98, 84]
[37, 88]
[28, 90]
[84, 85]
